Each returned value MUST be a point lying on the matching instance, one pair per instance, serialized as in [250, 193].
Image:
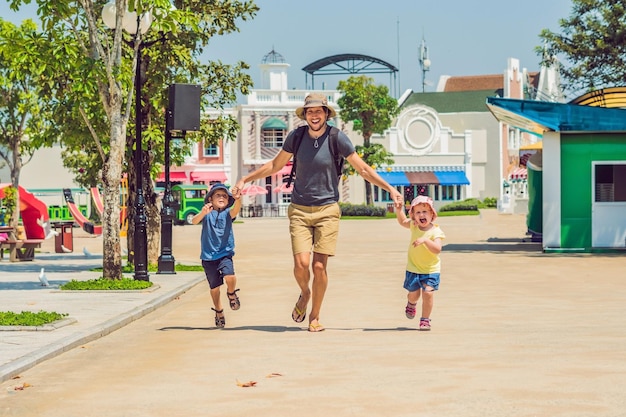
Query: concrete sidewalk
[515, 333]
[91, 315]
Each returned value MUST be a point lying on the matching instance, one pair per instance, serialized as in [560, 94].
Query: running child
[217, 243]
[423, 262]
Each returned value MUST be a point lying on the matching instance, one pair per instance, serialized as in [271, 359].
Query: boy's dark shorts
[215, 271]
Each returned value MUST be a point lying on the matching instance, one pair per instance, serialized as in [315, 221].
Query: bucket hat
[220, 186]
[315, 100]
[423, 199]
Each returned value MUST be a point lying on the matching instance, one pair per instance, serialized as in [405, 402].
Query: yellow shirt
[420, 259]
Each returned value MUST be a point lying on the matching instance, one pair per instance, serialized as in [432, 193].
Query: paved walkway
[515, 333]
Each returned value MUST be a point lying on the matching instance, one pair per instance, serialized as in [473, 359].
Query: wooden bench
[20, 250]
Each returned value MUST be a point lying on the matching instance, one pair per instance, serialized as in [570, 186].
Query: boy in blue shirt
[217, 243]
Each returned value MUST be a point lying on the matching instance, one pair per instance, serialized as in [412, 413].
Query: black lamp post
[135, 25]
[166, 260]
[140, 235]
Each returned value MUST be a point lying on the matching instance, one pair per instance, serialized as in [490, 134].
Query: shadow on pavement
[494, 247]
[23, 267]
[28, 285]
[271, 329]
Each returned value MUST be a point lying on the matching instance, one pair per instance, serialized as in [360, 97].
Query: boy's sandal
[220, 321]
[234, 301]
[424, 324]
[410, 310]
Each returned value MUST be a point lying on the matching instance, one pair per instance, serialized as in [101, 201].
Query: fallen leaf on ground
[273, 375]
[22, 387]
[246, 384]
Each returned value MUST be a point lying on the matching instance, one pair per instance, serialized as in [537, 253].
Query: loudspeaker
[184, 107]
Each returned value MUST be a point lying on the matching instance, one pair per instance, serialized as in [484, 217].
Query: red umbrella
[253, 190]
[282, 188]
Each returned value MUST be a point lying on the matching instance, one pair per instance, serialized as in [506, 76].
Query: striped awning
[452, 178]
[422, 178]
[395, 178]
[519, 173]
[425, 178]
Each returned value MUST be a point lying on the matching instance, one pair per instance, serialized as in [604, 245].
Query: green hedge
[362, 210]
[470, 204]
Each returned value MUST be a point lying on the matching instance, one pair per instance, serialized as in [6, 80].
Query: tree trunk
[111, 176]
[368, 187]
[154, 224]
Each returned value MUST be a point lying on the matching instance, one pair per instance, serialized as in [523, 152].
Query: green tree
[22, 118]
[371, 110]
[91, 70]
[591, 46]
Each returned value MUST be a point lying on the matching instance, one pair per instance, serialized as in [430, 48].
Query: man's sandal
[410, 310]
[316, 327]
[220, 321]
[298, 315]
[234, 301]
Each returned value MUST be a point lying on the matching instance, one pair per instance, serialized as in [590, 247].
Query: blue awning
[452, 178]
[538, 116]
[394, 178]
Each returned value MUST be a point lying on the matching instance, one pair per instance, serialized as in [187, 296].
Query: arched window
[273, 133]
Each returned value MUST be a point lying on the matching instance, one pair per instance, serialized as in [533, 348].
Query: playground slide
[97, 200]
[79, 217]
[34, 213]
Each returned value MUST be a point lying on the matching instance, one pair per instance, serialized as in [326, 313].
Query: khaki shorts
[315, 228]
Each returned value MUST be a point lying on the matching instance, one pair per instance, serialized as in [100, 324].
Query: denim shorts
[215, 271]
[414, 282]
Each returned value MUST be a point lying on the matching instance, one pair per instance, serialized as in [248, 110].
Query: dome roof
[273, 57]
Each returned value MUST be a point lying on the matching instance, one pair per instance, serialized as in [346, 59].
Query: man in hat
[217, 242]
[314, 211]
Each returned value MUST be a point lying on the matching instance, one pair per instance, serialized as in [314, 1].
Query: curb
[14, 368]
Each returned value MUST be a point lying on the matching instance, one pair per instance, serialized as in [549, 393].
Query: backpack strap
[333, 136]
[297, 140]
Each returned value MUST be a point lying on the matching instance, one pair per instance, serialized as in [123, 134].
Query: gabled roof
[483, 82]
[474, 83]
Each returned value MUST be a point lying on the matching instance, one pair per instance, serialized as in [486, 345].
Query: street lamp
[136, 25]
[424, 63]
[167, 262]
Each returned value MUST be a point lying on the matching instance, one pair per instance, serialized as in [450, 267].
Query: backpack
[332, 137]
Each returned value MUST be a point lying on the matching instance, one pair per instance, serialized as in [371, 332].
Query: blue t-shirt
[217, 239]
[316, 174]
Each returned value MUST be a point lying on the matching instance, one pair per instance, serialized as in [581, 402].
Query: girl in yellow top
[423, 264]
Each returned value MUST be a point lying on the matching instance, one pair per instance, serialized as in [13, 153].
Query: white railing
[293, 98]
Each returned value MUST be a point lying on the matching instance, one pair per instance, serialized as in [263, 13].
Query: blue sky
[463, 37]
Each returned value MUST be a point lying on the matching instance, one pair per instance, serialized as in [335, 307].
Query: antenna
[424, 62]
